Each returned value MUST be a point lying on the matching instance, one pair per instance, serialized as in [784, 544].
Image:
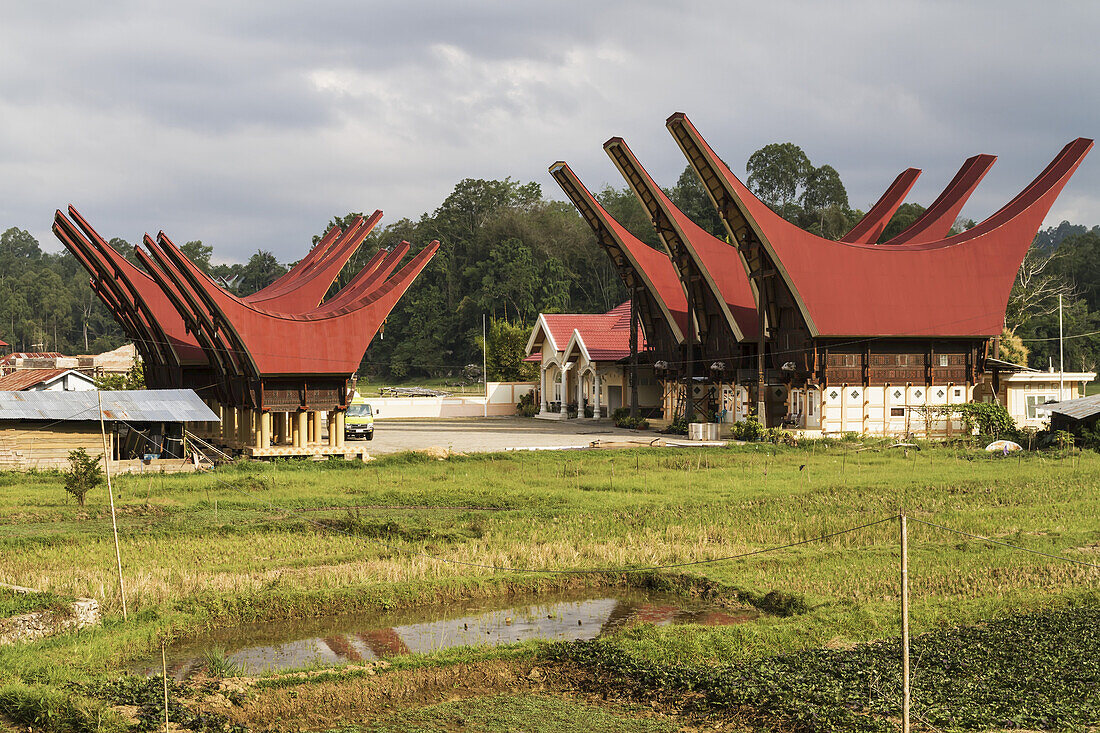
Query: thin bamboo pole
[164, 672]
[904, 627]
[111, 496]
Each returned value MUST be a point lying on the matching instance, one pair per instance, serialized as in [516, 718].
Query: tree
[84, 474]
[1081, 328]
[777, 172]
[338, 221]
[507, 348]
[199, 254]
[692, 198]
[625, 208]
[825, 204]
[1038, 285]
[261, 270]
[824, 190]
[1012, 348]
[510, 279]
[905, 215]
[133, 379]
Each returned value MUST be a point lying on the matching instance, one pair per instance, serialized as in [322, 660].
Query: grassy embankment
[229, 546]
[372, 387]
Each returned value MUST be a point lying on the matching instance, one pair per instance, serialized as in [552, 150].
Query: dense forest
[511, 253]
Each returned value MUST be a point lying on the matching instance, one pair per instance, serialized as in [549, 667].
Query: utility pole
[634, 355]
[485, 361]
[1061, 355]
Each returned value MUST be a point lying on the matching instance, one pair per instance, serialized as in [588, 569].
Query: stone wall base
[81, 613]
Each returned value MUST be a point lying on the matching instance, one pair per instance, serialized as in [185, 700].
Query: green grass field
[234, 545]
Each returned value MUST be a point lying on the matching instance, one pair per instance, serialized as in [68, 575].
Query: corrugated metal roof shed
[138, 405]
[24, 379]
[1078, 409]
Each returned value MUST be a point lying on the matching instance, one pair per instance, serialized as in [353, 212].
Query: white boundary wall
[890, 410]
[503, 397]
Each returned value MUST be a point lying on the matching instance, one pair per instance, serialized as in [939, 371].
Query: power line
[548, 571]
[1007, 544]
[1064, 338]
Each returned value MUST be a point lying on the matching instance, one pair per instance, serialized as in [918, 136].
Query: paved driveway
[485, 435]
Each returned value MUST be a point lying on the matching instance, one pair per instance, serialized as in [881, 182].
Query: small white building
[584, 364]
[46, 380]
[1023, 391]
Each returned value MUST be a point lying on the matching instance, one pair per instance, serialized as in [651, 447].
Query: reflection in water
[278, 646]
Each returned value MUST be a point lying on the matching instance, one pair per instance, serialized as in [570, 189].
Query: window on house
[1034, 401]
[943, 359]
[897, 412]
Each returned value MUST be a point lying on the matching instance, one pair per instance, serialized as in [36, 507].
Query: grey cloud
[250, 124]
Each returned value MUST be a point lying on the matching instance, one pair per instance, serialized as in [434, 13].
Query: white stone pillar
[580, 394]
[563, 394]
[543, 402]
[595, 394]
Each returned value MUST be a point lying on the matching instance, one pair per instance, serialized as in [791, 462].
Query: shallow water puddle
[276, 646]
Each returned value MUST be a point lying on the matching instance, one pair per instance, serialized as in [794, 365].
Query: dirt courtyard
[486, 435]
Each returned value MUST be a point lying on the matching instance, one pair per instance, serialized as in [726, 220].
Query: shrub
[526, 406]
[84, 474]
[679, 426]
[778, 436]
[630, 423]
[749, 429]
[1063, 439]
[988, 418]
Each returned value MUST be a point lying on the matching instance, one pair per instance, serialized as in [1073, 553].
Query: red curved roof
[712, 256]
[957, 286]
[937, 220]
[317, 342]
[655, 268]
[868, 229]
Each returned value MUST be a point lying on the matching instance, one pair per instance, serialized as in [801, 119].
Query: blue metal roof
[136, 405]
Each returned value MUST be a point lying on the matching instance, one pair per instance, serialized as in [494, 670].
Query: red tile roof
[605, 336]
[22, 379]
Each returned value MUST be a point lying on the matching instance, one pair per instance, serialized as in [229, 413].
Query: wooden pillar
[240, 417]
[340, 416]
[264, 433]
[301, 427]
[287, 430]
[843, 399]
[332, 429]
[318, 426]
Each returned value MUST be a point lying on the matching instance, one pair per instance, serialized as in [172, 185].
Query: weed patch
[1034, 671]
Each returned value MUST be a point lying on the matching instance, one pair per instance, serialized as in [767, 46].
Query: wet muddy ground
[277, 646]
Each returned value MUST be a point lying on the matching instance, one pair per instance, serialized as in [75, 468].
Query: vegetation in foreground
[269, 541]
[13, 603]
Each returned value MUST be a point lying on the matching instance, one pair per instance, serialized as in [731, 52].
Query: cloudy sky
[249, 125]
